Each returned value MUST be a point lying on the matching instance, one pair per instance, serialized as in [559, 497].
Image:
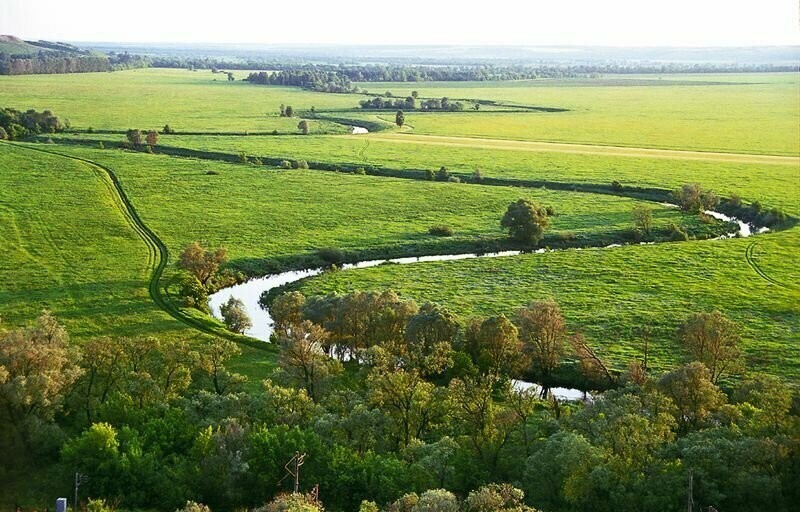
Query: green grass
[151, 98]
[73, 252]
[756, 113]
[772, 184]
[259, 212]
[610, 295]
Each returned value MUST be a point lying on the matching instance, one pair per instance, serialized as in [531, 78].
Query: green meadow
[73, 251]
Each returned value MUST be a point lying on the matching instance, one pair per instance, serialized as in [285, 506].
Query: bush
[241, 157]
[430, 175]
[285, 164]
[148, 149]
[256, 161]
[677, 234]
[692, 198]
[100, 145]
[526, 221]
[442, 174]
[616, 185]
[3, 134]
[477, 177]
[49, 141]
[360, 170]
[212, 173]
[299, 164]
[331, 255]
[551, 211]
[454, 179]
[441, 230]
[192, 506]
[274, 132]
[90, 130]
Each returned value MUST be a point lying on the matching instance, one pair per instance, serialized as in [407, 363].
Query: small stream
[250, 292]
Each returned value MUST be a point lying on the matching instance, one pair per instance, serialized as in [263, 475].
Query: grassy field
[609, 295]
[151, 98]
[72, 251]
[740, 113]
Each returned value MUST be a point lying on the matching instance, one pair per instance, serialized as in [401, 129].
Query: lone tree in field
[303, 127]
[152, 138]
[643, 218]
[202, 263]
[134, 137]
[289, 112]
[400, 118]
[235, 316]
[525, 221]
[713, 339]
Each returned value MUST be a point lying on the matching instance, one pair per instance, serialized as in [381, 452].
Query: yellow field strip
[584, 149]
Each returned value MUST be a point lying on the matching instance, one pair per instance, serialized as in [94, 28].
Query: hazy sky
[523, 22]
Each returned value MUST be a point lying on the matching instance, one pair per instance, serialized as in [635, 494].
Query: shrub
[677, 234]
[49, 141]
[477, 177]
[430, 175]
[100, 145]
[551, 211]
[442, 174]
[241, 157]
[299, 164]
[3, 134]
[368, 506]
[274, 132]
[331, 255]
[167, 130]
[212, 173]
[256, 161]
[148, 149]
[285, 164]
[441, 230]
[360, 170]
[691, 198]
[192, 506]
[454, 179]
[616, 185]
[90, 130]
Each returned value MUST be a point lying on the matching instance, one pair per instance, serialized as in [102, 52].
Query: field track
[158, 255]
[585, 149]
[752, 262]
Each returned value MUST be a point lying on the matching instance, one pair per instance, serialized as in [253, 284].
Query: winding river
[250, 292]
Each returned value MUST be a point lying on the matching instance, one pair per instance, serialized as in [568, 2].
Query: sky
[496, 22]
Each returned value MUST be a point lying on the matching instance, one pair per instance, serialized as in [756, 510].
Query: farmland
[95, 224]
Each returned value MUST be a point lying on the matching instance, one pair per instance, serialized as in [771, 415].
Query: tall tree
[713, 339]
[542, 330]
[235, 316]
[400, 118]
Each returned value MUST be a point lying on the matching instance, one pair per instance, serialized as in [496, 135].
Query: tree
[400, 118]
[692, 198]
[287, 311]
[525, 221]
[302, 358]
[212, 360]
[152, 138]
[289, 112]
[496, 498]
[201, 262]
[643, 218]
[713, 339]
[429, 336]
[542, 330]
[235, 316]
[96, 451]
[592, 367]
[497, 348]
[37, 368]
[104, 367]
[3, 134]
[694, 394]
[436, 500]
[134, 137]
[414, 94]
[167, 130]
[303, 127]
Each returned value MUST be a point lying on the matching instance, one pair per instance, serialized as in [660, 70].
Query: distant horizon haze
[569, 23]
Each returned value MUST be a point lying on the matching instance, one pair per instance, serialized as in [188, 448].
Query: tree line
[56, 62]
[15, 124]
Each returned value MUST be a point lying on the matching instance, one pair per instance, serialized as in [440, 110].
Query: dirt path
[584, 149]
[748, 254]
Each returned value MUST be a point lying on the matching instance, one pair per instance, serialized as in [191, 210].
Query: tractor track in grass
[748, 254]
[158, 254]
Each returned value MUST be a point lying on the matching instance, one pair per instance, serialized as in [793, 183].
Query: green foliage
[440, 230]
[235, 316]
[525, 221]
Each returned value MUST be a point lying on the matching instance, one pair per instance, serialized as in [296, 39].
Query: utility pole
[293, 469]
[80, 479]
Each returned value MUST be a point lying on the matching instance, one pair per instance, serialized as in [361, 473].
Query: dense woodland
[55, 62]
[391, 400]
